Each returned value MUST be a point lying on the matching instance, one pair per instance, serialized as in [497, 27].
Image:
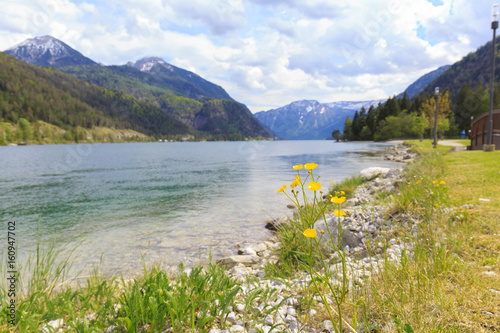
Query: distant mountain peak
[48, 51]
[147, 64]
[310, 119]
[190, 84]
[39, 45]
[36, 40]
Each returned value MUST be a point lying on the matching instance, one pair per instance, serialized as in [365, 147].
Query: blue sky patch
[436, 3]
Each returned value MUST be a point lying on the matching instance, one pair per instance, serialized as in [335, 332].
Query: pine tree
[404, 102]
[392, 107]
[371, 120]
[347, 134]
[355, 128]
[465, 106]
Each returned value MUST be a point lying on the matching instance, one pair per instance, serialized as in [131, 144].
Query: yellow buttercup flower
[339, 213]
[337, 200]
[297, 167]
[313, 186]
[295, 182]
[310, 233]
[442, 182]
[322, 232]
[310, 166]
[281, 189]
[342, 193]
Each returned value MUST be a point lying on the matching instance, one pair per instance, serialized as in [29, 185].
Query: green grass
[443, 287]
[348, 185]
[191, 301]
[443, 284]
[188, 300]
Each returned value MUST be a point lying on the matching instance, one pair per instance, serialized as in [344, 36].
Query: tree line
[402, 117]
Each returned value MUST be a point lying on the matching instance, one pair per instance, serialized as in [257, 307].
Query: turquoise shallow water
[166, 201]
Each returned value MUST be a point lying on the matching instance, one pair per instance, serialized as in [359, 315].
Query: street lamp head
[436, 91]
[495, 12]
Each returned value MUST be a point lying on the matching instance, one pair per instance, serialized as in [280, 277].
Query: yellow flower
[310, 166]
[342, 193]
[310, 233]
[295, 182]
[442, 182]
[339, 213]
[337, 200]
[281, 189]
[313, 186]
[322, 232]
[434, 182]
[297, 167]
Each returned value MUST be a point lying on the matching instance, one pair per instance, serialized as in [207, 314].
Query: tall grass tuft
[194, 300]
[42, 286]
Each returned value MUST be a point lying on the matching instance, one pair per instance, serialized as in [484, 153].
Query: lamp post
[436, 92]
[494, 26]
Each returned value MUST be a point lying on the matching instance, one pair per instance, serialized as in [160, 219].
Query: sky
[267, 53]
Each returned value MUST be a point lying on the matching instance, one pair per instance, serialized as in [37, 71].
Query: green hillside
[46, 94]
[143, 86]
[220, 119]
[473, 69]
[228, 120]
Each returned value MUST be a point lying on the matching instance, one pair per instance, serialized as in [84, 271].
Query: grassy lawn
[461, 298]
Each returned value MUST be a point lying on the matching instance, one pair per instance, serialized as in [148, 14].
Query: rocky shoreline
[365, 229]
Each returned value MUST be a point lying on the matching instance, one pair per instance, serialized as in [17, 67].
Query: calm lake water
[166, 201]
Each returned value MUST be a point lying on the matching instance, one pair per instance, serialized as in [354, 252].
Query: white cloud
[266, 54]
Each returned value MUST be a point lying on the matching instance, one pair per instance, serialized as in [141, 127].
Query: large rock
[275, 224]
[348, 237]
[232, 261]
[370, 173]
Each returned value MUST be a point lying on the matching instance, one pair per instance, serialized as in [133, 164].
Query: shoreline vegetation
[419, 252]
[42, 133]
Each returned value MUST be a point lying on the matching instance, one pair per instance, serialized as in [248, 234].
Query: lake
[168, 202]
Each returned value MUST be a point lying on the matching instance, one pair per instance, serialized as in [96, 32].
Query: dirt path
[450, 143]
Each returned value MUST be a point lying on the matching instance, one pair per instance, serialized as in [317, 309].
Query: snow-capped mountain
[310, 119]
[188, 83]
[147, 64]
[48, 51]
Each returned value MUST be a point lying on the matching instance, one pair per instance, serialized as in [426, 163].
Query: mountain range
[310, 119]
[183, 95]
[44, 94]
[207, 109]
